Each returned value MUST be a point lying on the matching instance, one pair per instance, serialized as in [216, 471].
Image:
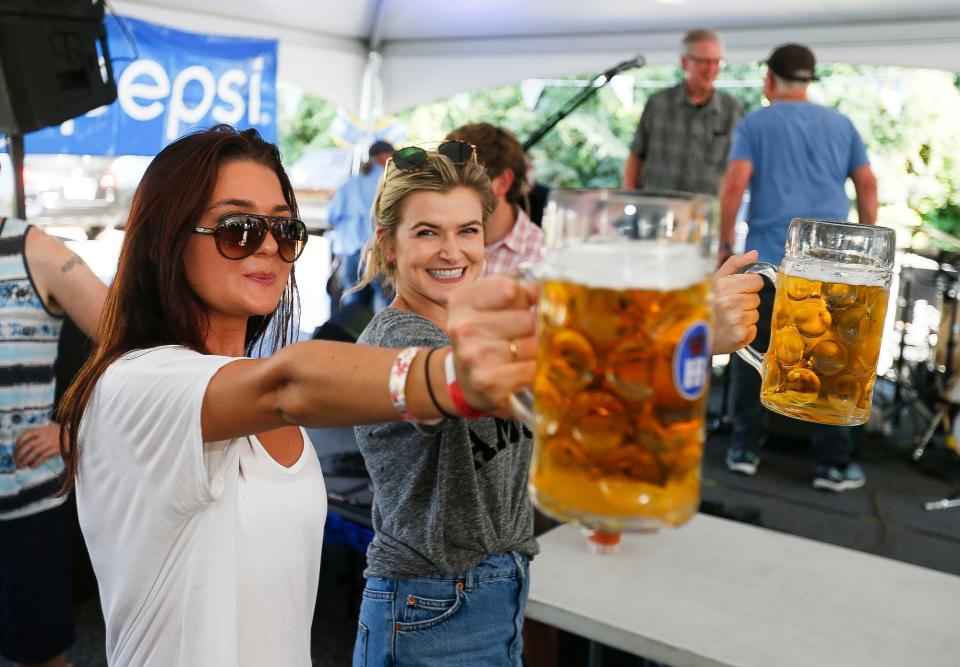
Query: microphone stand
[585, 94]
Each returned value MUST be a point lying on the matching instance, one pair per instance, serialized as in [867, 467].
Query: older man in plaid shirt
[685, 132]
[510, 236]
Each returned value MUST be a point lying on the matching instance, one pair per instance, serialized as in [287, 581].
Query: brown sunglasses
[239, 235]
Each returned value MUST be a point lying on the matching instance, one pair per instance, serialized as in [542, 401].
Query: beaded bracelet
[456, 391]
[398, 381]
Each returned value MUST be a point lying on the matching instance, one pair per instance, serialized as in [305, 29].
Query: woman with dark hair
[201, 504]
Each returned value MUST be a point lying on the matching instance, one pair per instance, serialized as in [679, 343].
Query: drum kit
[918, 395]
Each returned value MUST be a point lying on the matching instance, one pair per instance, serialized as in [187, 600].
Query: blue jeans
[474, 617]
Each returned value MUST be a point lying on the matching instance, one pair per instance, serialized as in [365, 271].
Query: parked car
[90, 192]
[125, 173]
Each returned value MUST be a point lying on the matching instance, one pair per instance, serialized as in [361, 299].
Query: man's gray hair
[697, 35]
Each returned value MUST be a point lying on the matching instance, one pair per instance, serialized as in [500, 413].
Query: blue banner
[168, 84]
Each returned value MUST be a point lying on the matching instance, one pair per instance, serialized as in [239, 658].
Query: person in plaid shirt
[684, 134]
[511, 237]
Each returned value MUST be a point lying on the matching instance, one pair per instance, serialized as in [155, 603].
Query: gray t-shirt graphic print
[449, 495]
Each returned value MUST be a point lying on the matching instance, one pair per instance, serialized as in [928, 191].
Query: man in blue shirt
[795, 157]
[349, 215]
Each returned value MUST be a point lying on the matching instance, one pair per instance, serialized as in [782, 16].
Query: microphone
[599, 82]
[638, 61]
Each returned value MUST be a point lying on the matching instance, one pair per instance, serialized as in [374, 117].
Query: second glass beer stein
[624, 324]
[827, 324]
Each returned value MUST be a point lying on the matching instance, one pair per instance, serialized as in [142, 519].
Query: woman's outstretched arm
[321, 383]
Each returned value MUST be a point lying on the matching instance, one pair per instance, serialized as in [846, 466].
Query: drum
[948, 332]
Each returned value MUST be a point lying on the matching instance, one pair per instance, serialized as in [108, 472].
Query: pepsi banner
[168, 83]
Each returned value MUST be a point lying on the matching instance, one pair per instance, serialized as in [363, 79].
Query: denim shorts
[472, 618]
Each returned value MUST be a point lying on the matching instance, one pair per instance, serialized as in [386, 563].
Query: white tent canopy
[427, 49]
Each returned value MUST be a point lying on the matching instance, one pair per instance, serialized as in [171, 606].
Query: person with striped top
[41, 280]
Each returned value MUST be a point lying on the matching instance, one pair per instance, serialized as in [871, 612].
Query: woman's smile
[447, 276]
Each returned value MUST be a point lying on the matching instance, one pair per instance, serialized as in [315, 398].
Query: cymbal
[938, 235]
[938, 255]
[919, 258]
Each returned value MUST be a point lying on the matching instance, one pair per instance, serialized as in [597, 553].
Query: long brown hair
[150, 302]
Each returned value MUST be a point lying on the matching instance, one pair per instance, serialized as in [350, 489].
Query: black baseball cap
[793, 62]
[380, 147]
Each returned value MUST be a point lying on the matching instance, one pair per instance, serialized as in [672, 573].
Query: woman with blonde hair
[447, 568]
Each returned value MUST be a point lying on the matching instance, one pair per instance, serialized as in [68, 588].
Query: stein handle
[521, 401]
[747, 353]
[521, 404]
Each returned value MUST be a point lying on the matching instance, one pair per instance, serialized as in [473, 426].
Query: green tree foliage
[588, 148]
[910, 122]
[908, 118]
[307, 124]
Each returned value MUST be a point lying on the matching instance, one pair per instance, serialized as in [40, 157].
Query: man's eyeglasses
[412, 158]
[239, 235]
[707, 62]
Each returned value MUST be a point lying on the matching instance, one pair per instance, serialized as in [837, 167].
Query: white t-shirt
[205, 553]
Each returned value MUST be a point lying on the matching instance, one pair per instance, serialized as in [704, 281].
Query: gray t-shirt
[445, 496]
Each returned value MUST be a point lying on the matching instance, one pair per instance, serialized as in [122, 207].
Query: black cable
[126, 32]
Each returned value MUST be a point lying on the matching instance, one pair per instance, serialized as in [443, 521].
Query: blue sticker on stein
[691, 361]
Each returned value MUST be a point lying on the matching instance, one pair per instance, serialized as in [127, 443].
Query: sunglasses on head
[239, 235]
[412, 158]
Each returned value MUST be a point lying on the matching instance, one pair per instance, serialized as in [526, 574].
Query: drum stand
[903, 302]
[911, 392]
[951, 501]
[948, 406]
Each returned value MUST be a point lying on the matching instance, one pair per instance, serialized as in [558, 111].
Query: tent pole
[371, 88]
[371, 107]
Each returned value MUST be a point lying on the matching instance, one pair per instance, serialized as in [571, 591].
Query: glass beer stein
[827, 324]
[624, 323]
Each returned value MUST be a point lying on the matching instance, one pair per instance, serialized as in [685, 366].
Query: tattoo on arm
[70, 263]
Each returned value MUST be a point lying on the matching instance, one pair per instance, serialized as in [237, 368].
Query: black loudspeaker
[54, 62]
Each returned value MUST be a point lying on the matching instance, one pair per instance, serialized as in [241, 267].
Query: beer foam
[835, 272]
[651, 265]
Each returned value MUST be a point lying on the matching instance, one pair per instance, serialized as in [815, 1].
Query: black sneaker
[839, 478]
[742, 461]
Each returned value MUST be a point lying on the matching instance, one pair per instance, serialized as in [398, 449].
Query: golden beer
[824, 344]
[620, 399]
